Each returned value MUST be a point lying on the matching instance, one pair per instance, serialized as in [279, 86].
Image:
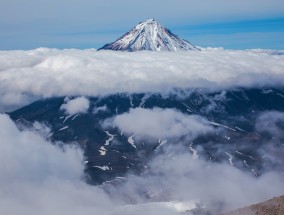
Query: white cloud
[161, 123]
[51, 72]
[77, 105]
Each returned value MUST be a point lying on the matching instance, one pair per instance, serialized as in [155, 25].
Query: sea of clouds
[29, 75]
[38, 176]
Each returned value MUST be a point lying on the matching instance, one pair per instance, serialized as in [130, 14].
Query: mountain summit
[150, 36]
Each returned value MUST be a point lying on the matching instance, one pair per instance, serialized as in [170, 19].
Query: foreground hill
[273, 206]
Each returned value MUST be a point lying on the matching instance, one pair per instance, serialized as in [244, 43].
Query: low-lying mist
[42, 177]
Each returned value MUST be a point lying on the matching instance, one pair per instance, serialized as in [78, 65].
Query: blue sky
[260, 33]
[232, 24]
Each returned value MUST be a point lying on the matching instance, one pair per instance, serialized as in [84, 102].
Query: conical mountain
[150, 36]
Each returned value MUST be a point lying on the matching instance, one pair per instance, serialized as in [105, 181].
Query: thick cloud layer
[26, 75]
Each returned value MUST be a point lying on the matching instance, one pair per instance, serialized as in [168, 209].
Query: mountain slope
[150, 36]
[273, 206]
[111, 153]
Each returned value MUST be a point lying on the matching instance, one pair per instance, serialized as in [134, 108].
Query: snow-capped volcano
[150, 36]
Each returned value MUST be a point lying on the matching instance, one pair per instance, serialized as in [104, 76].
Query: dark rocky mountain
[149, 36]
[110, 153]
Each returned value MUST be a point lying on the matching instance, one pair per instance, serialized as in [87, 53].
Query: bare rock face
[273, 206]
[149, 36]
